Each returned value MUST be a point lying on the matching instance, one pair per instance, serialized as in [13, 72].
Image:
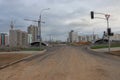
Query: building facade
[6, 40]
[3, 39]
[34, 31]
[24, 39]
[73, 36]
[115, 37]
[18, 38]
[88, 38]
[30, 38]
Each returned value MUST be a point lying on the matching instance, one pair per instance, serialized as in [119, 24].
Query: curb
[15, 62]
[89, 49]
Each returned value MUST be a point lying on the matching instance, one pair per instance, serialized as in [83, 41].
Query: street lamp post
[39, 32]
[39, 25]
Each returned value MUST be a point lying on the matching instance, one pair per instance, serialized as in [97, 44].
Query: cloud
[64, 15]
[78, 23]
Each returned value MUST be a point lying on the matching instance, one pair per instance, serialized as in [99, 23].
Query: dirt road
[65, 63]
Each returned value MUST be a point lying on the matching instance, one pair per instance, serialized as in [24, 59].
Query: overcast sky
[63, 16]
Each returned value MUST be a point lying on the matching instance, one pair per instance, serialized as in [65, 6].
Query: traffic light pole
[108, 35]
[107, 16]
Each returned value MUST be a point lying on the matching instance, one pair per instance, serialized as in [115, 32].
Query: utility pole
[39, 21]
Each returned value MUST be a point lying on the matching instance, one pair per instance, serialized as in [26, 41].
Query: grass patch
[32, 49]
[99, 46]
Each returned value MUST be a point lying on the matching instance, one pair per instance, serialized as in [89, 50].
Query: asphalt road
[65, 63]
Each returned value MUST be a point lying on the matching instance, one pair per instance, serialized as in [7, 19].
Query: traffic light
[92, 15]
[109, 32]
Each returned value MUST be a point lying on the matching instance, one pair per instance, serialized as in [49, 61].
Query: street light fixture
[39, 21]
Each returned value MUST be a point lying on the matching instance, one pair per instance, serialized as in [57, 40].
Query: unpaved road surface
[65, 63]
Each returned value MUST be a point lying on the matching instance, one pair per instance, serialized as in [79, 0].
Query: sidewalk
[106, 49]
